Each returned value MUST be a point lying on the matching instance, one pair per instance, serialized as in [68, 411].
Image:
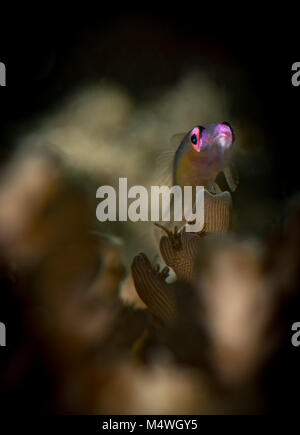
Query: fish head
[211, 136]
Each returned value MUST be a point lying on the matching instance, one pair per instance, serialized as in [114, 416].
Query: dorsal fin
[176, 139]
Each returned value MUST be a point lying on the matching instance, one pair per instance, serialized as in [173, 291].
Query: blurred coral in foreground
[208, 345]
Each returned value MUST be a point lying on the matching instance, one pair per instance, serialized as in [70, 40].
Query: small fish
[203, 153]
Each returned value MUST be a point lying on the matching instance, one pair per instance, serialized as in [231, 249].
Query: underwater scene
[114, 301]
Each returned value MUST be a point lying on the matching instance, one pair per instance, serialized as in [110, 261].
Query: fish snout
[223, 136]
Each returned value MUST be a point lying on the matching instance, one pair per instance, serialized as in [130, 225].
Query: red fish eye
[195, 139]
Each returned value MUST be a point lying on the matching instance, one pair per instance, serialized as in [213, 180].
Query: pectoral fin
[231, 177]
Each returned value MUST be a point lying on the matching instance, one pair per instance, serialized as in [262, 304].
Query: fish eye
[195, 138]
